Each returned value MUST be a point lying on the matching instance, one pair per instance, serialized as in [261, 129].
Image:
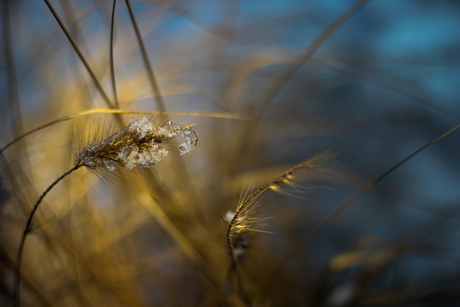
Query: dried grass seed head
[246, 218]
[140, 144]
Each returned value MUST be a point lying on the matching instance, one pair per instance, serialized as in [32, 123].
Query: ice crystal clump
[140, 144]
[190, 137]
[190, 140]
[141, 127]
[132, 157]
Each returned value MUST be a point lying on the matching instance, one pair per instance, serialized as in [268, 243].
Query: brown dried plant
[243, 219]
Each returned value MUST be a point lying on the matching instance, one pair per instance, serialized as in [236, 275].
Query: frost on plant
[190, 137]
[190, 140]
[140, 144]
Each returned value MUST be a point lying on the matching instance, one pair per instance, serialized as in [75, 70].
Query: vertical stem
[80, 55]
[112, 68]
[148, 66]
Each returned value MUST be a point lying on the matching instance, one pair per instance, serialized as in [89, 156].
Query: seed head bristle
[244, 219]
[140, 144]
[288, 179]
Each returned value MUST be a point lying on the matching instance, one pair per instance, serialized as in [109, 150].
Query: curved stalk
[27, 230]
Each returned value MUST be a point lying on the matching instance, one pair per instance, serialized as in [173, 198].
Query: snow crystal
[131, 157]
[190, 140]
[190, 137]
[142, 127]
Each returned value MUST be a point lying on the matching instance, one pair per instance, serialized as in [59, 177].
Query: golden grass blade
[108, 111]
[152, 207]
[118, 232]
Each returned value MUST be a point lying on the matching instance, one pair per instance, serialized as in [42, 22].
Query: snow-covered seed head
[140, 144]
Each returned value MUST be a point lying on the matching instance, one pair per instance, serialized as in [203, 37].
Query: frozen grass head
[140, 144]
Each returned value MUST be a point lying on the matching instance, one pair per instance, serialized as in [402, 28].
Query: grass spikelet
[243, 219]
[140, 144]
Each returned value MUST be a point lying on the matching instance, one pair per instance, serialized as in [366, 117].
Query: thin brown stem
[148, 65]
[112, 68]
[80, 55]
[27, 230]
